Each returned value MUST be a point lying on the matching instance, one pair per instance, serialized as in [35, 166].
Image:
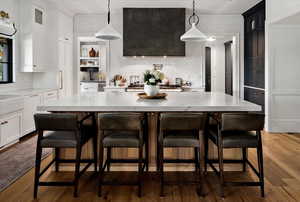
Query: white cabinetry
[65, 64]
[65, 54]
[65, 27]
[30, 104]
[37, 36]
[30, 108]
[10, 128]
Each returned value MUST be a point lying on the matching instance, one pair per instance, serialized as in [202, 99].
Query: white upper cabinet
[65, 27]
[38, 36]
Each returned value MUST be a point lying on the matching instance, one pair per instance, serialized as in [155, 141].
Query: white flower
[152, 80]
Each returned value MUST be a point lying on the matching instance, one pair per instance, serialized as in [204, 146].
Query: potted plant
[151, 81]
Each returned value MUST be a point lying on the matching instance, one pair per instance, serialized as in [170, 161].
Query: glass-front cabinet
[6, 61]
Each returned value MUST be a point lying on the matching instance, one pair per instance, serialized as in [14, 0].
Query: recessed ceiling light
[211, 38]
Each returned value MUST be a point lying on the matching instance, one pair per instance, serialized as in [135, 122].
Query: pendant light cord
[108, 16]
[194, 17]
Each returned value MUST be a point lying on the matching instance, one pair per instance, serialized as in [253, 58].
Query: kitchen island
[129, 102]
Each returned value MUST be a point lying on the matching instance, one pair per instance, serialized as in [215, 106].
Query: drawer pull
[5, 122]
[49, 94]
[34, 95]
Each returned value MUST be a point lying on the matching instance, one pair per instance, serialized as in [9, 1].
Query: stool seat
[66, 139]
[234, 139]
[121, 139]
[181, 139]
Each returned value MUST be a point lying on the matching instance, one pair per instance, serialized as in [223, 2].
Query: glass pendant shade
[193, 34]
[108, 33]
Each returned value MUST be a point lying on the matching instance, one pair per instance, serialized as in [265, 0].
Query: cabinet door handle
[61, 80]
[49, 94]
[5, 122]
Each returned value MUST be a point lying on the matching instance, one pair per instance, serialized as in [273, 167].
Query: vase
[92, 53]
[151, 90]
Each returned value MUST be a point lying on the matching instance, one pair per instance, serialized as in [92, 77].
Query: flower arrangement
[153, 77]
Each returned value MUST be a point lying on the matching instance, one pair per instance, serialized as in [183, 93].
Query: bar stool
[64, 131]
[237, 131]
[125, 130]
[181, 130]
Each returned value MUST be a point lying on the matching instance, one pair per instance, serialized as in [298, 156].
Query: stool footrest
[56, 183]
[179, 160]
[125, 160]
[242, 183]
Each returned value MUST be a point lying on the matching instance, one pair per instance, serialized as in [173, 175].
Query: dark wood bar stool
[123, 130]
[64, 131]
[236, 130]
[180, 130]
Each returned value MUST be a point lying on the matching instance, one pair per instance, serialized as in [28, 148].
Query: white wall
[282, 66]
[22, 80]
[188, 68]
[282, 76]
[279, 9]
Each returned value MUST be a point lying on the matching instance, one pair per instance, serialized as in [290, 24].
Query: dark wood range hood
[153, 31]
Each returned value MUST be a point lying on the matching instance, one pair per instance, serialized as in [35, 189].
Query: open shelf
[89, 58]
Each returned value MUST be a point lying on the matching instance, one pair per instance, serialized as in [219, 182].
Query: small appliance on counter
[92, 86]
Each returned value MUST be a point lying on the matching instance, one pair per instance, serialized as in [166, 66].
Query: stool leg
[205, 153]
[37, 169]
[261, 168]
[147, 154]
[108, 158]
[161, 165]
[244, 159]
[140, 170]
[57, 153]
[101, 173]
[95, 143]
[221, 168]
[200, 191]
[77, 169]
[196, 151]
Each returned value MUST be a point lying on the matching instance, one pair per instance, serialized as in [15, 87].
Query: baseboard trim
[284, 126]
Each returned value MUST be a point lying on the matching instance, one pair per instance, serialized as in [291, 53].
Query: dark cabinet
[254, 67]
[256, 96]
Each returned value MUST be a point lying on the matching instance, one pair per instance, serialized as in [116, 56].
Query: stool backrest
[121, 121]
[182, 121]
[56, 122]
[242, 122]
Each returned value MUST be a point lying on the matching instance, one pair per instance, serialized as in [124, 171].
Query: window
[6, 61]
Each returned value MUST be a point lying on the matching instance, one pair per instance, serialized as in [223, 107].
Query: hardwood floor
[282, 181]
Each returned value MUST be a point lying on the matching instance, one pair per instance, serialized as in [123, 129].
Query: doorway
[221, 65]
[228, 68]
[207, 69]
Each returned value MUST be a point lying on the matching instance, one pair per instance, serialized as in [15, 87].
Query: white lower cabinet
[10, 128]
[30, 104]
[30, 108]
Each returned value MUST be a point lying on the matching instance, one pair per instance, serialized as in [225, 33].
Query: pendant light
[108, 33]
[194, 34]
[7, 27]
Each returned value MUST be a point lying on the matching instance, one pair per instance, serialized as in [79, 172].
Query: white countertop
[128, 101]
[28, 91]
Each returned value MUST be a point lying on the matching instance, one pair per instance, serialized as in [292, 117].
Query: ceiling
[203, 6]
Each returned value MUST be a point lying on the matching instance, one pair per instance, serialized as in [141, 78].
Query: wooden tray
[158, 96]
